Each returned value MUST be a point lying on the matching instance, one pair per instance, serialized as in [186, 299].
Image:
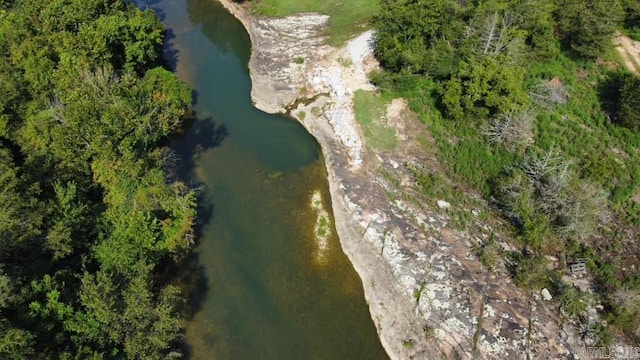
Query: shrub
[629, 109]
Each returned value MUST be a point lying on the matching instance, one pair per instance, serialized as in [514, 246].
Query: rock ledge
[428, 295]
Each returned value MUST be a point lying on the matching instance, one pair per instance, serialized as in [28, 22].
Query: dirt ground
[629, 51]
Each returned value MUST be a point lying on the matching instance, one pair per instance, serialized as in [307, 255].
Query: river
[259, 287]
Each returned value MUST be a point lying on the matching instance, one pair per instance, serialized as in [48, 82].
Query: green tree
[537, 21]
[629, 108]
[416, 35]
[632, 17]
[71, 220]
[20, 214]
[586, 27]
[572, 302]
[530, 272]
[87, 213]
[124, 315]
[6, 4]
[15, 344]
[485, 87]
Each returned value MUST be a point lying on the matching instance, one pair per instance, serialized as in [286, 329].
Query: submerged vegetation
[529, 107]
[322, 228]
[88, 214]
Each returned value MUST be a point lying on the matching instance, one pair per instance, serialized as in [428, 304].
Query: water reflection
[225, 32]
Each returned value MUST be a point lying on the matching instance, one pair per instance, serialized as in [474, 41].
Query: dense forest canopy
[87, 211]
[529, 107]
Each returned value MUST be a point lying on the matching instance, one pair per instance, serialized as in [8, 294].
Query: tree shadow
[201, 135]
[170, 54]
[609, 93]
[198, 136]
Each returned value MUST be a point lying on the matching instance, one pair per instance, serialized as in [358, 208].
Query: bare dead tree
[511, 130]
[56, 109]
[550, 175]
[496, 33]
[547, 94]
[470, 31]
[547, 184]
[169, 157]
[582, 212]
[576, 207]
[169, 160]
[512, 190]
[628, 298]
[491, 26]
[101, 80]
[539, 166]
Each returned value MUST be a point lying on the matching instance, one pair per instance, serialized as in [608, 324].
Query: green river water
[258, 288]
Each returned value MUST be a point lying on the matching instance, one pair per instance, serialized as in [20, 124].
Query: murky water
[262, 293]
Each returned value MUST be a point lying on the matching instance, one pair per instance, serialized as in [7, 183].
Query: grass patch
[409, 344]
[345, 62]
[347, 17]
[370, 109]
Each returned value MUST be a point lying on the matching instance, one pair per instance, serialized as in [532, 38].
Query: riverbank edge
[390, 311]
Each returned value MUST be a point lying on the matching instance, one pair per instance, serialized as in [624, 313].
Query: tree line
[478, 51]
[88, 212]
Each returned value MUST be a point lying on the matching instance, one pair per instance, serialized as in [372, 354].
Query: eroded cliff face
[429, 296]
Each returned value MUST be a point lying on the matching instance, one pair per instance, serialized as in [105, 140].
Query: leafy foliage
[587, 26]
[629, 107]
[413, 34]
[87, 213]
[484, 87]
[632, 18]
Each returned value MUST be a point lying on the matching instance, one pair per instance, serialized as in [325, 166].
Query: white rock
[443, 204]
[546, 295]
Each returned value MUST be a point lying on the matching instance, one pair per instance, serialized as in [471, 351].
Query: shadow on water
[199, 136]
[170, 55]
[218, 28]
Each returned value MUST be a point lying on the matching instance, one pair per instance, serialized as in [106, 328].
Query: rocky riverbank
[428, 294]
